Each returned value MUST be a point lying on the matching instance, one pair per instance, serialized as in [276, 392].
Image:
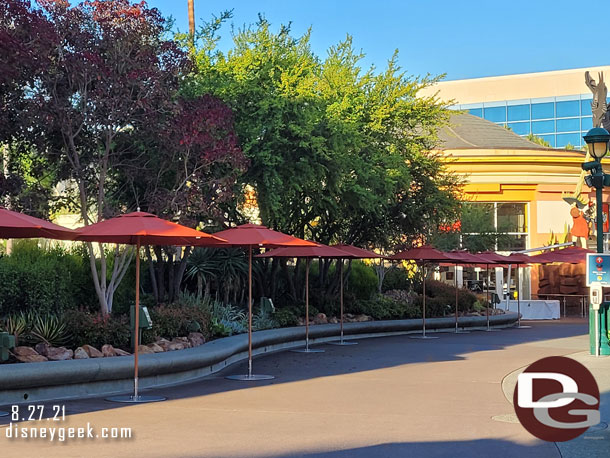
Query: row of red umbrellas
[144, 228]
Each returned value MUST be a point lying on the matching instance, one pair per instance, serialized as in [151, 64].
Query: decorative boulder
[92, 351]
[333, 320]
[120, 352]
[156, 348]
[80, 353]
[320, 318]
[31, 358]
[59, 354]
[108, 351]
[176, 346]
[196, 339]
[25, 351]
[182, 340]
[163, 343]
[42, 348]
[144, 350]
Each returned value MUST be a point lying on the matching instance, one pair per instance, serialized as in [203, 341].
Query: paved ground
[386, 397]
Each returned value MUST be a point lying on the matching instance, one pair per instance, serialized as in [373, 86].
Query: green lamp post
[597, 141]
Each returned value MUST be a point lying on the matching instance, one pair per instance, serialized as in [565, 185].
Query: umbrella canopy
[572, 255]
[318, 251]
[254, 234]
[422, 253]
[15, 225]
[147, 229]
[519, 258]
[359, 252]
[464, 257]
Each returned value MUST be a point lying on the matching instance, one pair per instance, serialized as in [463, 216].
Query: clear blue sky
[464, 39]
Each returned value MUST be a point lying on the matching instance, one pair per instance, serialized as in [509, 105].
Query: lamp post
[597, 142]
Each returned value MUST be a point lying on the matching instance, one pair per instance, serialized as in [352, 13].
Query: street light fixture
[597, 141]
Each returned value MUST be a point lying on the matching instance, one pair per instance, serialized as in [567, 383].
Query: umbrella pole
[424, 336]
[341, 342]
[249, 310]
[307, 349]
[136, 398]
[249, 376]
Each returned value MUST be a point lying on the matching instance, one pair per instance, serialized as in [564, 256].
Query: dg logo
[557, 399]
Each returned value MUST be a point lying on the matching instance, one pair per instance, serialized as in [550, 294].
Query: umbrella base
[4, 414]
[250, 378]
[521, 327]
[461, 331]
[131, 399]
[307, 350]
[492, 330]
[345, 342]
[423, 337]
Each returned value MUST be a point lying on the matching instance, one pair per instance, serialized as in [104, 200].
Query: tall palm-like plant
[203, 264]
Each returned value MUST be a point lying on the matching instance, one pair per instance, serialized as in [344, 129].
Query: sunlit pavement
[386, 397]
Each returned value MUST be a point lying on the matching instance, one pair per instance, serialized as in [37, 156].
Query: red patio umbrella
[422, 254]
[14, 225]
[464, 258]
[572, 255]
[358, 253]
[310, 252]
[136, 229]
[249, 235]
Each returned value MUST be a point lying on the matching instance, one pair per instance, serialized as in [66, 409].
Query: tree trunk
[153, 277]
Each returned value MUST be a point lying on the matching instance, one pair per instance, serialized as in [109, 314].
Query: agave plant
[16, 324]
[50, 329]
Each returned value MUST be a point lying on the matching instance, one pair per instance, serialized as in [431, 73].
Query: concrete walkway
[386, 397]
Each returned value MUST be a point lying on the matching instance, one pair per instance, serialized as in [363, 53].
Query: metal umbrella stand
[422, 254]
[319, 251]
[134, 229]
[520, 259]
[14, 225]
[249, 235]
[360, 254]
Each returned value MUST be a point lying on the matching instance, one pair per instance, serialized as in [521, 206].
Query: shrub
[286, 316]
[31, 328]
[97, 330]
[176, 320]
[362, 280]
[384, 308]
[396, 278]
[44, 280]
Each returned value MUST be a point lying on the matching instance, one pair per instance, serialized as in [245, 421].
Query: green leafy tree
[336, 152]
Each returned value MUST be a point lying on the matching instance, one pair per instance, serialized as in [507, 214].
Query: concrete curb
[103, 376]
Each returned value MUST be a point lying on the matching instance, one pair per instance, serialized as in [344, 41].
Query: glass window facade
[508, 220]
[560, 121]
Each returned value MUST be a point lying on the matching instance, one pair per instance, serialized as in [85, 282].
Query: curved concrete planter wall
[102, 376]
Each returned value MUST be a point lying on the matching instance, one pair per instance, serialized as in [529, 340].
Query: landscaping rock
[144, 350]
[176, 346]
[59, 354]
[182, 340]
[120, 352]
[163, 343]
[333, 320]
[362, 318]
[196, 339]
[320, 318]
[155, 348]
[31, 358]
[25, 351]
[92, 351]
[108, 351]
[42, 348]
[80, 353]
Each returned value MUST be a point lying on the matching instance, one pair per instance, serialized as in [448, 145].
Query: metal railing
[583, 301]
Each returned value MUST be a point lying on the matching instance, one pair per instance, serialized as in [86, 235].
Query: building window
[520, 128]
[495, 114]
[543, 110]
[568, 109]
[509, 221]
[568, 125]
[476, 112]
[518, 112]
[543, 127]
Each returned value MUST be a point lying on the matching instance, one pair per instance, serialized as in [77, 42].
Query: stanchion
[489, 328]
[457, 330]
[519, 326]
